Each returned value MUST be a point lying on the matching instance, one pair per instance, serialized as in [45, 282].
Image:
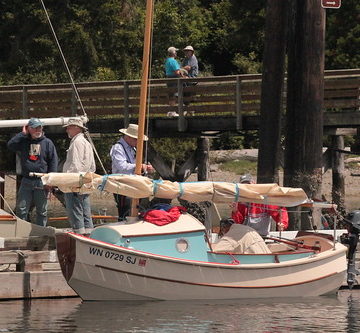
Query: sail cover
[135, 186]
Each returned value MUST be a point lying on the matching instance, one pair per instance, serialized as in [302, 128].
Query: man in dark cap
[259, 216]
[37, 154]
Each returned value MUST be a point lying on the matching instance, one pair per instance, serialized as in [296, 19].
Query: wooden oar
[294, 243]
[96, 217]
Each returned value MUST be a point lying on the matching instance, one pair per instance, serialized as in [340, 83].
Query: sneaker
[172, 114]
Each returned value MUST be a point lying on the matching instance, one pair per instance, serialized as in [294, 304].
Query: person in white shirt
[79, 158]
[123, 162]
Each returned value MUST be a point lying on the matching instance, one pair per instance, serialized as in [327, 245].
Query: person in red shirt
[258, 216]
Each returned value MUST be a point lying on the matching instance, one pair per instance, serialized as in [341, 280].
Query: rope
[87, 134]
[7, 204]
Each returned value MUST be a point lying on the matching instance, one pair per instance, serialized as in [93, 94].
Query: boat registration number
[114, 256]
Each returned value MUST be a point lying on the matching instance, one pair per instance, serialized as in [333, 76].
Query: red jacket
[243, 210]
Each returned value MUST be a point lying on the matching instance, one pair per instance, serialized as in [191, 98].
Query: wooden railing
[234, 95]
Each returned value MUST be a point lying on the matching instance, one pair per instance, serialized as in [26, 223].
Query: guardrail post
[182, 123]
[126, 104]
[25, 104]
[2, 189]
[238, 104]
[73, 103]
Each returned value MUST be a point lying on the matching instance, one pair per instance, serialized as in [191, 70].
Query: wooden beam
[17, 285]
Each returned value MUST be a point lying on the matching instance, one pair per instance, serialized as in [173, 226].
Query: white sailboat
[139, 260]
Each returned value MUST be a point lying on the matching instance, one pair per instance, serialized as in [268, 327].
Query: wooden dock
[29, 266]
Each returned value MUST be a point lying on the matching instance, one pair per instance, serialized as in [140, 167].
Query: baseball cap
[246, 179]
[35, 122]
[172, 49]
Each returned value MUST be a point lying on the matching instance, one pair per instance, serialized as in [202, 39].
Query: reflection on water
[318, 314]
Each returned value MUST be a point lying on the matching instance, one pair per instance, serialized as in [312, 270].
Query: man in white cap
[37, 154]
[190, 62]
[123, 162]
[79, 159]
[172, 70]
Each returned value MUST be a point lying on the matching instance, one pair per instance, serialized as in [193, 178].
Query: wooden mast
[143, 94]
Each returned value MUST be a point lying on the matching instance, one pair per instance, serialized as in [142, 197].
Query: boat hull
[101, 271]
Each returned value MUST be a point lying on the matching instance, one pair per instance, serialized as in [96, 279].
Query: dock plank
[16, 285]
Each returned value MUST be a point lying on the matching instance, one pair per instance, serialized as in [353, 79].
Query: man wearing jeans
[79, 159]
[37, 154]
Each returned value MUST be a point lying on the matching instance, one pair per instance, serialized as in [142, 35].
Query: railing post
[238, 104]
[2, 189]
[73, 103]
[182, 123]
[126, 104]
[25, 104]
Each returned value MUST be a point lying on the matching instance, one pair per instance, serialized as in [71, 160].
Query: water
[319, 314]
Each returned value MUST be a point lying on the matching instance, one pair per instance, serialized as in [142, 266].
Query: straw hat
[189, 48]
[132, 131]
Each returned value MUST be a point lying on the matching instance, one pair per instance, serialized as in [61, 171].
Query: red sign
[330, 3]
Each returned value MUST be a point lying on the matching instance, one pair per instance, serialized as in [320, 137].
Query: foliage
[240, 167]
[103, 40]
[227, 140]
[171, 149]
[343, 36]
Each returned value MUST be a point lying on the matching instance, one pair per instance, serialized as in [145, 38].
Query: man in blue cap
[37, 154]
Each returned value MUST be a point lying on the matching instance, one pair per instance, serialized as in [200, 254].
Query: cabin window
[182, 245]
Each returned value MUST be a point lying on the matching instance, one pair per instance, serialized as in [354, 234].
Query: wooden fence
[234, 95]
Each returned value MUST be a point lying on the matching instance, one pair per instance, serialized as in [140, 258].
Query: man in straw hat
[37, 154]
[123, 162]
[190, 62]
[79, 158]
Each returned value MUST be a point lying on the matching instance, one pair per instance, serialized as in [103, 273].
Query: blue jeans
[32, 191]
[79, 212]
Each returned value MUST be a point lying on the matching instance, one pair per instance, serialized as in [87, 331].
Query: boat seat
[241, 239]
[279, 247]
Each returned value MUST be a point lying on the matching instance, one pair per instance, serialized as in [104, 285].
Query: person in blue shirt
[123, 157]
[37, 154]
[172, 70]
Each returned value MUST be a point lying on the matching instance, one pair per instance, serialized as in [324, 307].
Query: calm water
[320, 314]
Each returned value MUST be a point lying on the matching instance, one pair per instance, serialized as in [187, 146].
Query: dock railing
[234, 95]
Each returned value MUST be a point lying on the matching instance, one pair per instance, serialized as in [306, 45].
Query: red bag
[162, 217]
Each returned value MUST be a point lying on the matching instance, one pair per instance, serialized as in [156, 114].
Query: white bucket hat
[189, 48]
[75, 122]
[132, 131]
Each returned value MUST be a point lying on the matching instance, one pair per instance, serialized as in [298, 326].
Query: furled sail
[142, 187]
